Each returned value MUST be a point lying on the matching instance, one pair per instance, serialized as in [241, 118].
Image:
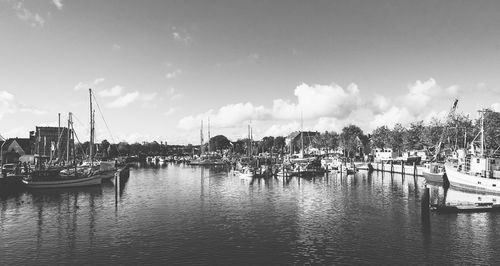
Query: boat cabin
[483, 166]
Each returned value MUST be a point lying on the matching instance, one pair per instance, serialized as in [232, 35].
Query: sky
[158, 68]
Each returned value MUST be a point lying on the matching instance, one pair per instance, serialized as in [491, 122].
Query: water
[191, 215]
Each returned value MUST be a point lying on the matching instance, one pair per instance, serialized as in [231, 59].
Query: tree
[267, 143]
[351, 139]
[280, 144]
[219, 143]
[123, 148]
[105, 146]
[380, 137]
[432, 133]
[491, 130]
[396, 138]
[239, 146]
[413, 139]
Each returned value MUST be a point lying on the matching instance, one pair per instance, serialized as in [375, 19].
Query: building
[384, 154]
[14, 148]
[50, 142]
[294, 140]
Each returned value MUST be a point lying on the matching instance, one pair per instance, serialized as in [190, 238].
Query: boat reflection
[456, 196]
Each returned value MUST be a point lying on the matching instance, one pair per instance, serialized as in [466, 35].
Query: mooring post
[402, 168]
[117, 187]
[425, 207]
[415, 174]
[392, 167]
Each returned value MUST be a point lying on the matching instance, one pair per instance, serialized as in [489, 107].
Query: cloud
[314, 101]
[147, 97]
[380, 104]
[422, 94]
[282, 129]
[9, 105]
[58, 4]
[169, 111]
[116, 47]
[174, 95]
[33, 19]
[226, 116]
[392, 116]
[115, 91]
[254, 56]
[332, 107]
[87, 85]
[181, 35]
[496, 107]
[173, 74]
[124, 100]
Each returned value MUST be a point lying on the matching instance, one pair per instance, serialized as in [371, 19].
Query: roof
[23, 143]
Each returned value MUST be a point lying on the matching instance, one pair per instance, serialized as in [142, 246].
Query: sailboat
[72, 176]
[209, 159]
[476, 171]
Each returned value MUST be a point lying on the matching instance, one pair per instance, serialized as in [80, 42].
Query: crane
[449, 118]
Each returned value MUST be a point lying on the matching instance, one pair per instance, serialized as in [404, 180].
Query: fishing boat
[478, 171]
[433, 172]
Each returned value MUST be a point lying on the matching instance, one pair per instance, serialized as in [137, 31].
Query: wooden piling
[425, 206]
[117, 187]
[415, 174]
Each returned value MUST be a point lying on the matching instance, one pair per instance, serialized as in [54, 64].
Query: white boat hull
[78, 182]
[432, 177]
[476, 183]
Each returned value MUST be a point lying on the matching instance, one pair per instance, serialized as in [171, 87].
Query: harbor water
[180, 214]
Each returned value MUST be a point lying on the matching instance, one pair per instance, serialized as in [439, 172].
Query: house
[384, 154]
[423, 154]
[14, 148]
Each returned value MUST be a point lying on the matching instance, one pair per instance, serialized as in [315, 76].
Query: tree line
[351, 140]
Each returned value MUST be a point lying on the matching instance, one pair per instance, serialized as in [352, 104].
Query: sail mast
[91, 129]
[482, 133]
[301, 135]
[209, 148]
[201, 139]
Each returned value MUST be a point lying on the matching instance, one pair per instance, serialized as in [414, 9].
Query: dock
[469, 208]
[396, 168]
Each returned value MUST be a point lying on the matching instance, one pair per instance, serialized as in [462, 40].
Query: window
[478, 160]
[492, 161]
[494, 185]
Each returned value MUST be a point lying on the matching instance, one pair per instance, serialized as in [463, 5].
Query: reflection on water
[181, 214]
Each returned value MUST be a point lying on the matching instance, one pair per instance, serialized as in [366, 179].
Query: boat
[477, 171]
[56, 179]
[433, 172]
[72, 176]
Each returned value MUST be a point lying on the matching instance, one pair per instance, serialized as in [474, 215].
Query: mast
[209, 148]
[58, 135]
[69, 137]
[465, 138]
[482, 132]
[91, 129]
[301, 136]
[249, 150]
[201, 139]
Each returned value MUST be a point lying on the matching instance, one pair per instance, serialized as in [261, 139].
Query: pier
[396, 168]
